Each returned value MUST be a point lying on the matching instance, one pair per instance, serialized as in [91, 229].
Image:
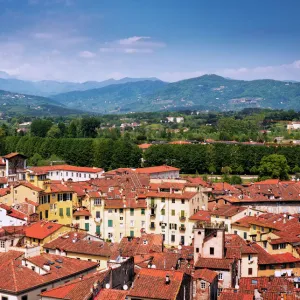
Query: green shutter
[87, 226]
[98, 229]
[68, 211]
[131, 233]
[143, 211]
[61, 212]
[110, 223]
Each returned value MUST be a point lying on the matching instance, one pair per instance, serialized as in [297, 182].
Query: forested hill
[113, 98]
[13, 104]
[209, 92]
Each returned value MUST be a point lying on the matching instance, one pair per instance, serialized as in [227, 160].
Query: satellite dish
[125, 287]
[179, 247]
[107, 286]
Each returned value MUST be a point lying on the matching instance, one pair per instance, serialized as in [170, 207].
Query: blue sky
[80, 40]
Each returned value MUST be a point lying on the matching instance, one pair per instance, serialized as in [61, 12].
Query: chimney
[168, 279]
[46, 267]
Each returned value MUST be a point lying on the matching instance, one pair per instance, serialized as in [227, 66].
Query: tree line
[123, 152]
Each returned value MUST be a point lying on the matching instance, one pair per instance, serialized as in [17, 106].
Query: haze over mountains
[208, 92]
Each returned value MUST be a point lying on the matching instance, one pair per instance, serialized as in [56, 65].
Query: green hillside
[209, 92]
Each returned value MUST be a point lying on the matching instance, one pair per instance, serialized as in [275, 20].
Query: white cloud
[87, 54]
[42, 35]
[133, 40]
[132, 45]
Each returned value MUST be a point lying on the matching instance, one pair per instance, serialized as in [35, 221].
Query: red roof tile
[110, 294]
[205, 274]
[41, 229]
[201, 215]
[158, 169]
[214, 263]
[151, 283]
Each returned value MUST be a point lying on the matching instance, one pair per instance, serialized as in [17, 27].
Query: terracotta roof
[10, 255]
[151, 283]
[82, 212]
[13, 213]
[180, 142]
[29, 185]
[201, 215]
[77, 289]
[144, 146]
[236, 295]
[265, 258]
[13, 154]
[3, 180]
[41, 229]
[82, 245]
[19, 278]
[158, 169]
[214, 263]
[4, 192]
[205, 274]
[46, 169]
[147, 243]
[110, 294]
[227, 210]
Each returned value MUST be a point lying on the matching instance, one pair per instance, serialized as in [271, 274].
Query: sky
[81, 40]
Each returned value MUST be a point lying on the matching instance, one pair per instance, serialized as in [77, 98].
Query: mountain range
[208, 92]
[48, 88]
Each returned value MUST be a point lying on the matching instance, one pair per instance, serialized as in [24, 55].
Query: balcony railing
[152, 226]
[182, 228]
[152, 216]
[182, 218]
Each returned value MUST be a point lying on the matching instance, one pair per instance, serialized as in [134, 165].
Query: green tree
[274, 166]
[235, 179]
[54, 132]
[40, 127]
[226, 170]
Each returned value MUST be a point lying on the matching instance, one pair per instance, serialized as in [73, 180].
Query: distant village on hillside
[75, 233]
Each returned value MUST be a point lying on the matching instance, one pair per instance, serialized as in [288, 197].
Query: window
[142, 211]
[98, 214]
[77, 218]
[87, 226]
[68, 211]
[132, 211]
[131, 233]
[25, 297]
[211, 250]
[131, 223]
[197, 250]
[59, 197]
[173, 226]
[173, 200]
[163, 200]
[110, 223]
[282, 246]
[249, 271]
[245, 235]
[220, 276]
[262, 267]
[61, 212]
[219, 291]
[254, 227]
[97, 201]
[163, 212]
[121, 218]
[235, 232]
[249, 257]
[46, 214]
[173, 212]
[86, 217]
[121, 210]
[110, 211]
[2, 244]
[262, 229]
[265, 244]
[275, 247]
[98, 229]
[203, 285]
[182, 201]
[173, 238]
[292, 265]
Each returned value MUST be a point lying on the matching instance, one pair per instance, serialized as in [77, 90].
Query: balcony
[152, 205]
[152, 216]
[152, 226]
[97, 220]
[182, 218]
[182, 228]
